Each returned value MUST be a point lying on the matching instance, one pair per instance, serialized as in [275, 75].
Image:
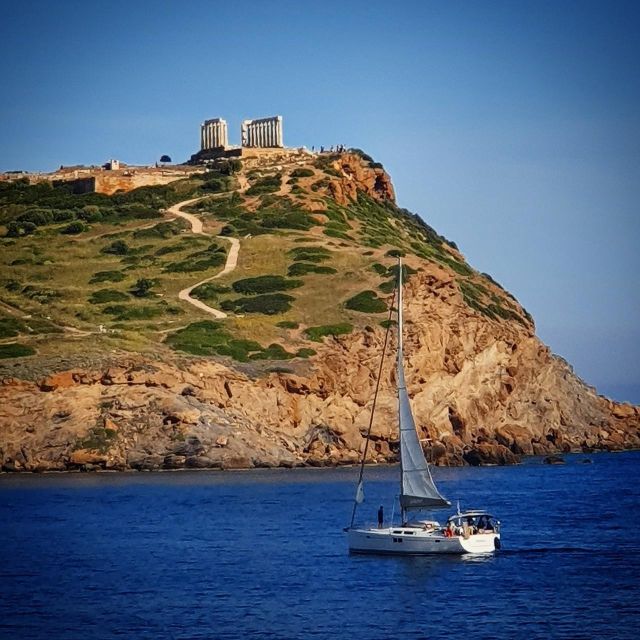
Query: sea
[262, 554]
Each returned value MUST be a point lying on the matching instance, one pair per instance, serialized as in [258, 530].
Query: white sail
[417, 488]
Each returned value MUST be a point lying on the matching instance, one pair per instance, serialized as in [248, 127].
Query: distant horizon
[511, 128]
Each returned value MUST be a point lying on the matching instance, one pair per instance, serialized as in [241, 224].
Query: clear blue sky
[512, 127]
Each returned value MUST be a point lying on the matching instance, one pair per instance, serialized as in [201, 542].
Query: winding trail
[230, 265]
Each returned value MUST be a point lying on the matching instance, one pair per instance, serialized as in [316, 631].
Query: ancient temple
[264, 132]
[213, 134]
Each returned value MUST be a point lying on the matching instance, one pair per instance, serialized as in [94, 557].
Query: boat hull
[394, 541]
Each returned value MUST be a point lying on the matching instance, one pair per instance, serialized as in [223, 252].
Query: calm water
[262, 555]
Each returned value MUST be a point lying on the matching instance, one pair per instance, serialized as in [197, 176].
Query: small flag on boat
[360, 493]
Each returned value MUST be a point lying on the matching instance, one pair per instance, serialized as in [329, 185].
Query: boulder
[516, 438]
[487, 453]
[173, 461]
[236, 462]
[202, 462]
[82, 457]
[62, 380]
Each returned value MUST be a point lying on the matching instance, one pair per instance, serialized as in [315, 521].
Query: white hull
[410, 541]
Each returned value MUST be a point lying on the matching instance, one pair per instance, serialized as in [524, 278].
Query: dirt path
[230, 265]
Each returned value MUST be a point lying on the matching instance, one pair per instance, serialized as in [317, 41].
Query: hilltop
[234, 318]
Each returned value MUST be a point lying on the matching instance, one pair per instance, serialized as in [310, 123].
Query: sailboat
[469, 532]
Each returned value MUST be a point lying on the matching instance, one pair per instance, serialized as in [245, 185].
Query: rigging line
[375, 398]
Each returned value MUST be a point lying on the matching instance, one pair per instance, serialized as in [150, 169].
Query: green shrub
[107, 276]
[107, 295]
[212, 338]
[305, 352]
[10, 327]
[380, 269]
[287, 324]
[213, 256]
[336, 233]
[163, 230]
[459, 267]
[15, 350]
[366, 302]
[309, 254]
[18, 229]
[272, 352]
[43, 296]
[320, 184]
[317, 333]
[116, 248]
[209, 291]
[267, 184]
[395, 253]
[74, 228]
[269, 304]
[142, 288]
[98, 439]
[265, 284]
[302, 172]
[385, 324]
[304, 268]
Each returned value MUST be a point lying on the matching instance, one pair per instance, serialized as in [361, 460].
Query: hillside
[111, 357]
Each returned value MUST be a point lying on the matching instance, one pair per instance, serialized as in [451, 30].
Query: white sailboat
[467, 532]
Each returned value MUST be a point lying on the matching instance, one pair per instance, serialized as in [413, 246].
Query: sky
[513, 128]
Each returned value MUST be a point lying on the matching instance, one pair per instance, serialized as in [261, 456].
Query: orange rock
[87, 456]
[62, 380]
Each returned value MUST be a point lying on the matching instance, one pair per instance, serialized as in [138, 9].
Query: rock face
[483, 392]
[358, 176]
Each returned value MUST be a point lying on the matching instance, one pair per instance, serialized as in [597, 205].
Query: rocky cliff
[484, 388]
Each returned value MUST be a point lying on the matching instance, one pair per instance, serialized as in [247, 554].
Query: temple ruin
[262, 133]
[213, 134]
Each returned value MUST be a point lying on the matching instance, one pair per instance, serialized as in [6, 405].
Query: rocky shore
[483, 392]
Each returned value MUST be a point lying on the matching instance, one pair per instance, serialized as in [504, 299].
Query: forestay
[417, 489]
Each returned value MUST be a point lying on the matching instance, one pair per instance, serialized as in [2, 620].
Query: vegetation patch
[310, 254]
[10, 327]
[103, 296]
[270, 304]
[163, 230]
[212, 256]
[107, 276]
[305, 268]
[116, 248]
[272, 352]
[98, 439]
[265, 284]
[287, 324]
[302, 172]
[121, 312]
[209, 291]
[207, 338]
[316, 334]
[366, 302]
[266, 184]
[15, 350]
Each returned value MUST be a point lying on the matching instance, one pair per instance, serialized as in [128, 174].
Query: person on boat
[380, 517]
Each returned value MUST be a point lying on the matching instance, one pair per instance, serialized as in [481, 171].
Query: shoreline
[577, 456]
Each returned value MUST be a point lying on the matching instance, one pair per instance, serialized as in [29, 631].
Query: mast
[400, 376]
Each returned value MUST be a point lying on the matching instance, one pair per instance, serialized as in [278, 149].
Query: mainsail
[417, 487]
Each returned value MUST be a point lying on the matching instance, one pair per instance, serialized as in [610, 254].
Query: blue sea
[262, 554]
